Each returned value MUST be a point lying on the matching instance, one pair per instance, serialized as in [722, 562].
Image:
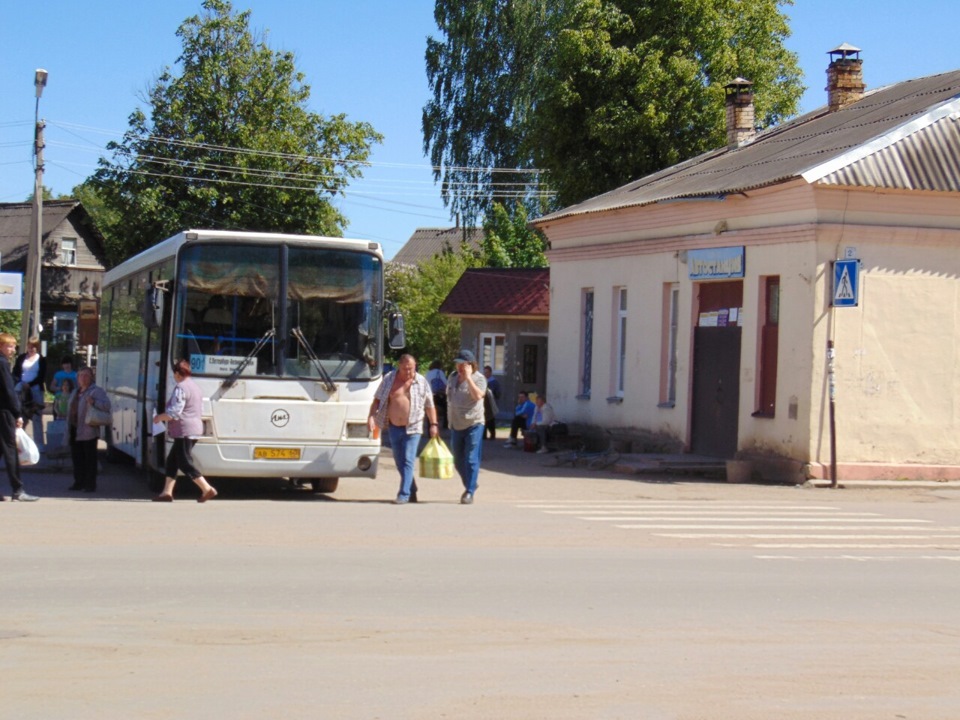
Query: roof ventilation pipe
[844, 77]
[741, 127]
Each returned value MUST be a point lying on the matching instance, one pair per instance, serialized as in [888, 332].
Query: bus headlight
[364, 463]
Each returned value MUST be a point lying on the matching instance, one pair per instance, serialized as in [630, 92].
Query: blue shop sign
[715, 263]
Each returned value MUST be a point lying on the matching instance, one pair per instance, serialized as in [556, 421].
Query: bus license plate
[276, 453]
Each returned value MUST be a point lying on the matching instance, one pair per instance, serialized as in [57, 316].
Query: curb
[954, 484]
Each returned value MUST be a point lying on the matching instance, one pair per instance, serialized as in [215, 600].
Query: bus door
[152, 375]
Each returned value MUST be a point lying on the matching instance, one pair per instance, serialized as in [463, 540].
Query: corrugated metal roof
[926, 160]
[509, 292]
[15, 221]
[426, 243]
[811, 141]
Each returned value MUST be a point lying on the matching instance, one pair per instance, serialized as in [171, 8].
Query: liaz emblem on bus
[276, 453]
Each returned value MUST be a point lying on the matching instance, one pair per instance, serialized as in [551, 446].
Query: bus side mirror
[396, 336]
[152, 312]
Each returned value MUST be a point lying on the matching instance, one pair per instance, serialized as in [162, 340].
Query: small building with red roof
[504, 318]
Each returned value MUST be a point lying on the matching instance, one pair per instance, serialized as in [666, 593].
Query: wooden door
[716, 391]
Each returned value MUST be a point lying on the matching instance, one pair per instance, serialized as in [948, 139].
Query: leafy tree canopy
[228, 143]
[596, 92]
[483, 76]
[510, 242]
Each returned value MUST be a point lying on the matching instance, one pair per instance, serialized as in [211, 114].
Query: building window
[68, 251]
[620, 350]
[492, 351]
[769, 341]
[528, 371]
[586, 342]
[668, 344]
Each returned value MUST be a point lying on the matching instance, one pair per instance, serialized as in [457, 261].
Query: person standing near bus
[402, 400]
[466, 389]
[10, 418]
[84, 437]
[31, 370]
[438, 384]
[184, 425]
[66, 374]
[490, 400]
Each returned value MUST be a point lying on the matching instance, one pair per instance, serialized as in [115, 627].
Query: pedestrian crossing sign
[846, 283]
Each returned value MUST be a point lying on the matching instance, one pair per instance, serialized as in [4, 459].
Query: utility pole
[30, 323]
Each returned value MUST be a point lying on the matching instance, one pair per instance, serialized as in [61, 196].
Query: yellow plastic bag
[436, 460]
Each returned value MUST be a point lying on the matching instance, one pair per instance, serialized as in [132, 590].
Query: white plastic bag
[27, 449]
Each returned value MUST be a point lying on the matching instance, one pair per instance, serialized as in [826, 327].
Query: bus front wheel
[325, 485]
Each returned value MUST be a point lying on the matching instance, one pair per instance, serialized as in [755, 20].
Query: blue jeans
[466, 446]
[404, 449]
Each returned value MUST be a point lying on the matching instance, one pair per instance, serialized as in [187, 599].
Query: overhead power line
[295, 156]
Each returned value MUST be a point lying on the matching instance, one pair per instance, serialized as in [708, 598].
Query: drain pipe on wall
[831, 385]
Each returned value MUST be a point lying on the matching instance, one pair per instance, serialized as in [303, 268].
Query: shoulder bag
[97, 417]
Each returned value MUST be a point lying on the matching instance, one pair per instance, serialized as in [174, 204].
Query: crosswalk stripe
[860, 558]
[743, 527]
[666, 505]
[787, 536]
[874, 520]
[841, 546]
[736, 513]
[773, 526]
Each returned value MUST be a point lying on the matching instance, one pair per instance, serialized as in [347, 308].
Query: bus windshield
[279, 311]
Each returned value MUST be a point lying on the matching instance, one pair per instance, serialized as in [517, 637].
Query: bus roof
[168, 248]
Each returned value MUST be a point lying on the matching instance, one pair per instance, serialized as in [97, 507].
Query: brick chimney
[844, 77]
[740, 118]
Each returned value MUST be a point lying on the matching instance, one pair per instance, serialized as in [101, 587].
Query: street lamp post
[31, 305]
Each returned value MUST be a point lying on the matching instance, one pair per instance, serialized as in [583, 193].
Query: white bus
[284, 334]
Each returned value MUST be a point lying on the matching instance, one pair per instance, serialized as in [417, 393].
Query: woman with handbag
[184, 425]
[88, 408]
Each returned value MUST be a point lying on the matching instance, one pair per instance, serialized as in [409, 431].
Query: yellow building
[709, 294]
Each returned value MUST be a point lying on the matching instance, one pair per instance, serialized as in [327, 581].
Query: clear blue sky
[363, 58]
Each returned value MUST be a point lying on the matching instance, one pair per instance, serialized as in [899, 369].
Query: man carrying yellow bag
[399, 406]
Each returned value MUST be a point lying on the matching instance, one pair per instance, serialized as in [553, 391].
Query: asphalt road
[558, 594]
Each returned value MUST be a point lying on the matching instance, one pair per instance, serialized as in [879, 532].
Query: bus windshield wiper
[324, 375]
[232, 378]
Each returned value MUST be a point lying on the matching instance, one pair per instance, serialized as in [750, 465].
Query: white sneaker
[510, 443]
[542, 450]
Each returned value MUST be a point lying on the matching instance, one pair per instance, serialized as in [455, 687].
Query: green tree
[10, 322]
[635, 86]
[47, 195]
[228, 143]
[419, 291]
[510, 242]
[609, 90]
[483, 74]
